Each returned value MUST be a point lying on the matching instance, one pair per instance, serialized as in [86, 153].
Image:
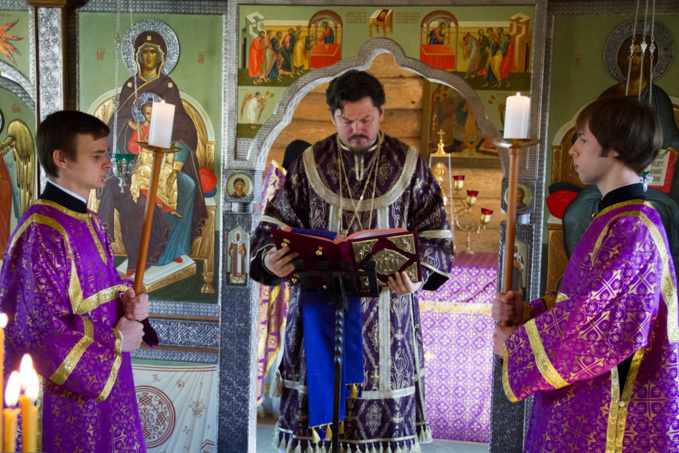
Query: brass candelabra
[465, 214]
[460, 210]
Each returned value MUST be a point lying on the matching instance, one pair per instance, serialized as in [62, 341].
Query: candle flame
[25, 369]
[162, 101]
[13, 390]
[518, 94]
[33, 386]
[3, 320]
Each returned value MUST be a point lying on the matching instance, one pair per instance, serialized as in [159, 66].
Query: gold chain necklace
[343, 172]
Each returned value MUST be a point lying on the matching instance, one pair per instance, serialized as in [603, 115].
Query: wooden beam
[49, 3]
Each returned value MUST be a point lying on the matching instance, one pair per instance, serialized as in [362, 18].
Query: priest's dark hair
[59, 131]
[353, 86]
[625, 125]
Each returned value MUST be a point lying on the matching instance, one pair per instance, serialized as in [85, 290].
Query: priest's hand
[136, 307]
[508, 308]
[132, 331]
[499, 337]
[278, 261]
[401, 284]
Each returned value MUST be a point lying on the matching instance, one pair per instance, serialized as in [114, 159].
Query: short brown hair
[625, 125]
[59, 131]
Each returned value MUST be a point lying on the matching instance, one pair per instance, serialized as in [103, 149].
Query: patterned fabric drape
[178, 407]
[457, 332]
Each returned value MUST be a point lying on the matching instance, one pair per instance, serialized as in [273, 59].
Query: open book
[392, 250]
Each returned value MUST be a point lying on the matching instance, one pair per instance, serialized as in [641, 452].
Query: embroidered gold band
[266, 218]
[114, 369]
[436, 234]
[541, 359]
[71, 361]
[505, 377]
[102, 297]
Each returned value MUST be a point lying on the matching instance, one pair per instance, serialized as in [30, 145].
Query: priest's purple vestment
[400, 192]
[617, 306]
[61, 293]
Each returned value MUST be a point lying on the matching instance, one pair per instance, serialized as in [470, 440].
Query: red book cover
[392, 250]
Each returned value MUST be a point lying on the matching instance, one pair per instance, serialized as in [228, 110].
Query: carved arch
[261, 144]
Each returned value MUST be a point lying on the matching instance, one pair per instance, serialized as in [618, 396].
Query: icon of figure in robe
[237, 253]
[173, 230]
[438, 35]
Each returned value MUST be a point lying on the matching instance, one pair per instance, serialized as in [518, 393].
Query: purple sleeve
[286, 209]
[602, 317]
[427, 216]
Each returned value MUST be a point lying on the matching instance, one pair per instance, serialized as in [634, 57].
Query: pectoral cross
[375, 378]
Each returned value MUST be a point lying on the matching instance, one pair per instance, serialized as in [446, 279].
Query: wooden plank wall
[403, 120]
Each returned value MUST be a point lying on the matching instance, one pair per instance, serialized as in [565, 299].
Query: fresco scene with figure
[162, 59]
[489, 48]
[610, 60]
[17, 127]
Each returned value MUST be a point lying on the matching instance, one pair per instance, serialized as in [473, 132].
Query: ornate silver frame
[189, 331]
[251, 153]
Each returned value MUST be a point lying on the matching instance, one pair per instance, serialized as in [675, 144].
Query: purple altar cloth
[457, 333]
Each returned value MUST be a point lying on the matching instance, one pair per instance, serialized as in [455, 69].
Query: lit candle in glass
[458, 182]
[471, 197]
[162, 119]
[517, 116]
[29, 413]
[485, 216]
[10, 414]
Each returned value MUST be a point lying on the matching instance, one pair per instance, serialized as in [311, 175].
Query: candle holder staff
[517, 120]
[66, 303]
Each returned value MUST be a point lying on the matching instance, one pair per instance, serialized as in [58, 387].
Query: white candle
[517, 116]
[162, 118]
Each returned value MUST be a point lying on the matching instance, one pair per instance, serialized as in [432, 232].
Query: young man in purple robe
[601, 356]
[67, 306]
[355, 180]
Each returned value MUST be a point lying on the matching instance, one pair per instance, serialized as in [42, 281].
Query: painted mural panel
[17, 128]
[176, 59]
[17, 163]
[490, 47]
[597, 63]
[14, 40]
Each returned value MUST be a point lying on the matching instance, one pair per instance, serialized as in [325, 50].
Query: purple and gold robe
[61, 293]
[389, 414]
[273, 302]
[617, 300]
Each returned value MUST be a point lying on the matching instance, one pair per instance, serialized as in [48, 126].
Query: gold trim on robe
[617, 415]
[541, 359]
[266, 218]
[73, 357]
[436, 234]
[97, 242]
[114, 369]
[505, 376]
[100, 298]
[385, 200]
